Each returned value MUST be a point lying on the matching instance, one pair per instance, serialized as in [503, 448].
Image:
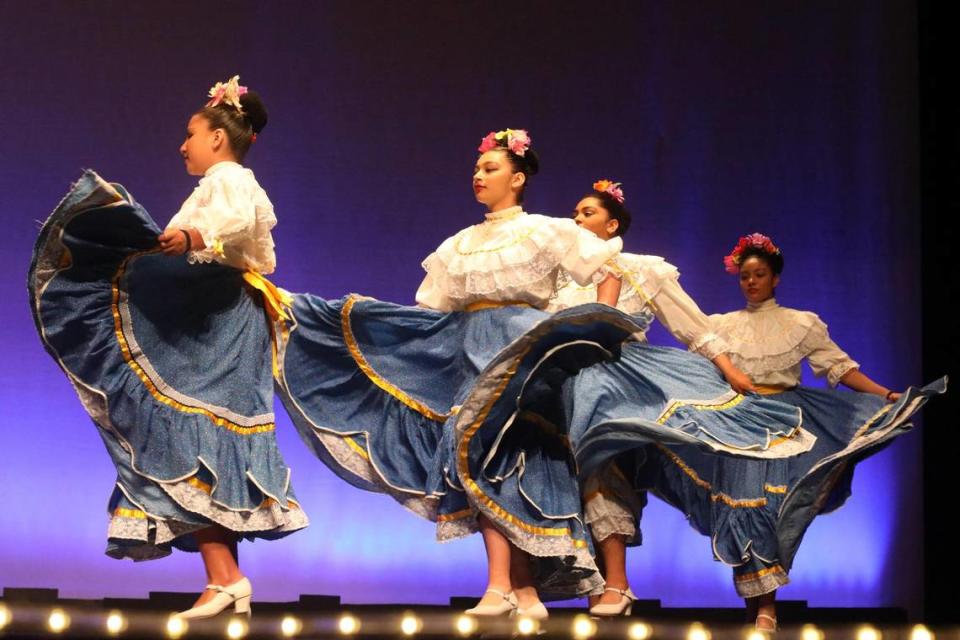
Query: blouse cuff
[839, 370]
[606, 269]
[709, 345]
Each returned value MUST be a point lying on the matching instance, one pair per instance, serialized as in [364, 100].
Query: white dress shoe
[237, 594]
[622, 608]
[536, 611]
[506, 606]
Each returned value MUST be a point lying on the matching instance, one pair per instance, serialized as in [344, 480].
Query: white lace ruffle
[271, 517]
[775, 339]
[518, 262]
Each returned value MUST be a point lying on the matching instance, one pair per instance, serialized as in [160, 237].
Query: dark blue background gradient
[797, 119]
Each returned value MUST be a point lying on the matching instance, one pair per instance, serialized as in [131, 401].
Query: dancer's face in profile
[757, 280]
[594, 217]
[494, 182]
[199, 149]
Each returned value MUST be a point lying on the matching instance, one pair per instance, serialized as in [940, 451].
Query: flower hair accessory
[612, 189]
[228, 92]
[514, 140]
[733, 261]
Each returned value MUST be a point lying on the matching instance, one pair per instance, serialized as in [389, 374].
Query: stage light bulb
[348, 624]
[698, 632]
[5, 616]
[236, 629]
[583, 627]
[867, 632]
[290, 626]
[116, 623]
[176, 626]
[527, 626]
[810, 632]
[639, 631]
[920, 632]
[756, 635]
[58, 621]
[410, 624]
[466, 625]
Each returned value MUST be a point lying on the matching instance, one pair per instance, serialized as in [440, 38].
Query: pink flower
[730, 263]
[489, 142]
[518, 141]
[616, 192]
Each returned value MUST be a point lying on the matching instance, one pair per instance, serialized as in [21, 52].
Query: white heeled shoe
[506, 606]
[622, 608]
[535, 611]
[237, 594]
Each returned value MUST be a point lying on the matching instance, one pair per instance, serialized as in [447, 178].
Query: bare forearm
[860, 382]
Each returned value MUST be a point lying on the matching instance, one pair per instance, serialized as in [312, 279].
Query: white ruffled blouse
[512, 256]
[234, 216]
[651, 285]
[768, 342]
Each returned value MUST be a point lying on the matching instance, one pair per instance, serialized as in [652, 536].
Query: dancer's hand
[737, 379]
[740, 381]
[174, 242]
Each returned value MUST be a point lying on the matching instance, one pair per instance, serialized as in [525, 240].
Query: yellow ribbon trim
[356, 447]
[276, 301]
[676, 404]
[759, 574]
[375, 377]
[121, 512]
[480, 305]
[629, 276]
[517, 238]
[147, 382]
[775, 488]
[456, 515]
[703, 484]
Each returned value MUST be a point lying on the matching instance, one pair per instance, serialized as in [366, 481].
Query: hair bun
[531, 162]
[254, 111]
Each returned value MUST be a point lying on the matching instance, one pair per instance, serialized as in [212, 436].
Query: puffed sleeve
[826, 358]
[222, 210]
[586, 255]
[431, 295]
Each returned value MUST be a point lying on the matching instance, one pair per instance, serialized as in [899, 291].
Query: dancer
[756, 512]
[166, 336]
[650, 289]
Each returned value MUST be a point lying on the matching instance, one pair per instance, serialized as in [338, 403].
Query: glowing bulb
[466, 625]
[639, 631]
[526, 626]
[919, 632]
[236, 629]
[348, 624]
[756, 635]
[583, 627]
[176, 626]
[290, 626]
[116, 623]
[810, 632]
[58, 621]
[698, 632]
[410, 624]
[5, 616]
[867, 632]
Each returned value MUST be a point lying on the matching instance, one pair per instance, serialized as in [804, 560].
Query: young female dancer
[166, 337]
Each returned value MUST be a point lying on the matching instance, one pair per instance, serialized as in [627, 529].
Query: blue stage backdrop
[797, 119]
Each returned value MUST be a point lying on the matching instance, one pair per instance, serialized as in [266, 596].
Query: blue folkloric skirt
[173, 363]
[757, 511]
[454, 414]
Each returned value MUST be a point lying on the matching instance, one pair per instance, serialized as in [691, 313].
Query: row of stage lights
[115, 624]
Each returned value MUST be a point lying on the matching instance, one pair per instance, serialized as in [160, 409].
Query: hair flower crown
[610, 188]
[515, 140]
[733, 261]
[228, 92]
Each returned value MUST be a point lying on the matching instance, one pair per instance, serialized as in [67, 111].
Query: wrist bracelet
[186, 234]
